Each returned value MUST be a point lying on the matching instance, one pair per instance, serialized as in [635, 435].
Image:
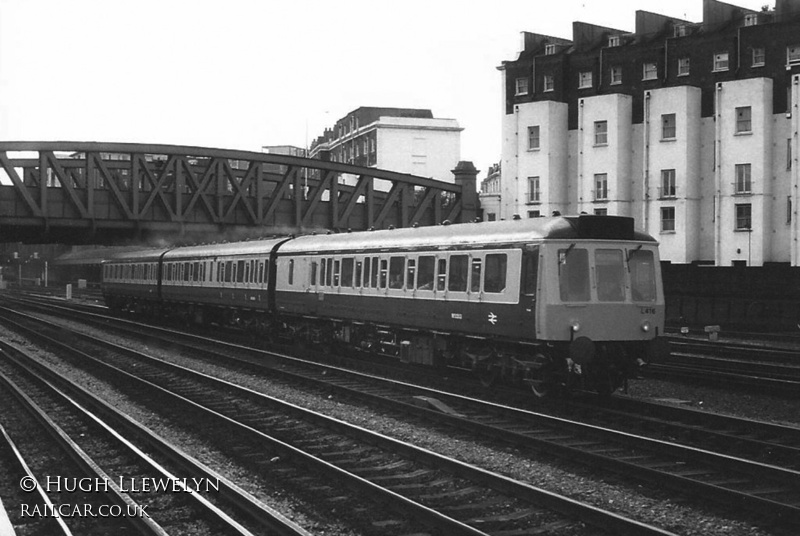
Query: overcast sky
[239, 74]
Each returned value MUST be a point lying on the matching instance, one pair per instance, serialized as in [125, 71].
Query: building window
[743, 122]
[742, 185]
[751, 19]
[683, 66]
[534, 193]
[534, 214]
[668, 183]
[601, 132]
[679, 30]
[793, 55]
[758, 57]
[743, 220]
[721, 61]
[649, 70]
[668, 126]
[601, 187]
[533, 137]
[549, 82]
[584, 79]
[616, 75]
[613, 41]
[601, 212]
[522, 86]
[667, 219]
[549, 49]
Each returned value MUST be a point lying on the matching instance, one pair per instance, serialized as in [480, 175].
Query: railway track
[776, 369]
[429, 487]
[728, 478]
[114, 487]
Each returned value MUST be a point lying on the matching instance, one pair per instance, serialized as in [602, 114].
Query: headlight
[646, 326]
[575, 326]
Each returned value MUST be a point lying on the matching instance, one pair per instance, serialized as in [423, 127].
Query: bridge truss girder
[80, 192]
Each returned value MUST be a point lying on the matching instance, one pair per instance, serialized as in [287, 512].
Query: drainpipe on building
[580, 156]
[646, 165]
[718, 176]
[795, 126]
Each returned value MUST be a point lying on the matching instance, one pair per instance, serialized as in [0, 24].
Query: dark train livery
[565, 301]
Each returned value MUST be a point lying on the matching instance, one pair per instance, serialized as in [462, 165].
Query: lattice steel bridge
[88, 192]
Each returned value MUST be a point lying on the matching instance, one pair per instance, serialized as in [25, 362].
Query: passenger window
[374, 282]
[367, 270]
[573, 274]
[396, 265]
[328, 272]
[228, 271]
[336, 267]
[291, 271]
[411, 269]
[441, 274]
[495, 278]
[643, 275]
[384, 275]
[359, 273]
[260, 271]
[313, 273]
[610, 274]
[475, 276]
[425, 272]
[240, 273]
[457, 281]
[347, 272]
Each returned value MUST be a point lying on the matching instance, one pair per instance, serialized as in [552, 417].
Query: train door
[529, 287]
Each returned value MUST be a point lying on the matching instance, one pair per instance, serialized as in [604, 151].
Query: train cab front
[601, 310]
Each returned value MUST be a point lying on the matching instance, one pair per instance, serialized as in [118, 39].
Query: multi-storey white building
[396, 139]
[690, 128]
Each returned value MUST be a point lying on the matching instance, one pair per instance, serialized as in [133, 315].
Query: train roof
[139, 255]
[250, 247]
[586, 227]
[96, 255]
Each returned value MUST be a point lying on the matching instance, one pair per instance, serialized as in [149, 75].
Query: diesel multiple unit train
[572, 301]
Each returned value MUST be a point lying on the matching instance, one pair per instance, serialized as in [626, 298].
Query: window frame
[548, 83]
[534, 189]
[741, 218]
[585, 79]
[668, 187]
[534, 135]
[744, 126]
[615, 75]
[669, 126]
[721, 62]
[684, 66]
[743, 181]
[521, 86]
[760, 59]
[650, 70]
[601, 133]
[667, 223]
[600, 179]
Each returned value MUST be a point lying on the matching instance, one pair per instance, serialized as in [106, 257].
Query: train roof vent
[605, 227]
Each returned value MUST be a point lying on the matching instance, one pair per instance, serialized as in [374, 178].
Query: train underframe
[546, 368]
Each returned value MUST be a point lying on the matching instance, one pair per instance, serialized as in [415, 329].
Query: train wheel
[540, 375]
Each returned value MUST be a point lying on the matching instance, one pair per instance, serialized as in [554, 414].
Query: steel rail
[569, 507]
